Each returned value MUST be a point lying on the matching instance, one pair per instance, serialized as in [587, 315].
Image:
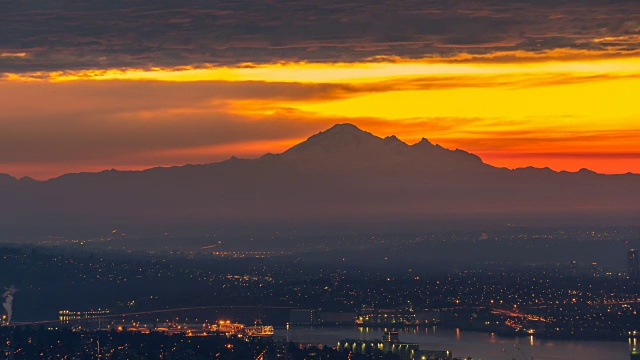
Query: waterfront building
[401, 316]
[391, 344]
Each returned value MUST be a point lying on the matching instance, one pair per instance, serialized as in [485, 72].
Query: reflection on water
[487, 346]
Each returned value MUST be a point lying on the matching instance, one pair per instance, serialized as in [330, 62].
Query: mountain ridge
[340, 174]
[340, 129]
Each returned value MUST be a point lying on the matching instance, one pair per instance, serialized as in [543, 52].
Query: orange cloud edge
[609, 156]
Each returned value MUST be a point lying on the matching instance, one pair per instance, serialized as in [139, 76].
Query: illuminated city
[278, 294]
[319, 180]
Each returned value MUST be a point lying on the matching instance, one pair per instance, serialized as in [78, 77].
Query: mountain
[341, 175]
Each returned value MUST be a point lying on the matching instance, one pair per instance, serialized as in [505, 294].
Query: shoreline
[502, 334]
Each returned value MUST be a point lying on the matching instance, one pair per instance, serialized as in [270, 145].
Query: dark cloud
[73, 34]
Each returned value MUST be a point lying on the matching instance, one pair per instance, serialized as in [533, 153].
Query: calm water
[478, 345]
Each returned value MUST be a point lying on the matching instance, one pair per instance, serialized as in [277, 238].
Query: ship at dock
[229, 328]
[223, 327]
[259, 331]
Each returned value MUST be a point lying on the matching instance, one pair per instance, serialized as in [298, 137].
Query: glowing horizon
[565, 112]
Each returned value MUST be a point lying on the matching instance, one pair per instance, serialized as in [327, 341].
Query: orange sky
[567, 111]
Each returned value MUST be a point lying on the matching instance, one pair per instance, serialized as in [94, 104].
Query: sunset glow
[157, 84]
[565, 113]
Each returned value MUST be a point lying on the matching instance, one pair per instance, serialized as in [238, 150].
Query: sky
[93, 85]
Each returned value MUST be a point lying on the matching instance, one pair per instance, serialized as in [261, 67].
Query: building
[400, 316]
[303, 317]
[65, 315]
[336, 279]
[391, 344]
[391, 337]
[573, 268]
[633, 264]
[595, 270]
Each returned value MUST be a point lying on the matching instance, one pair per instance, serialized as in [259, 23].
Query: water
[463, 344]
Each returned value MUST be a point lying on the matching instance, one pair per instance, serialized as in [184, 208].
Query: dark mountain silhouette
[342, 174]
